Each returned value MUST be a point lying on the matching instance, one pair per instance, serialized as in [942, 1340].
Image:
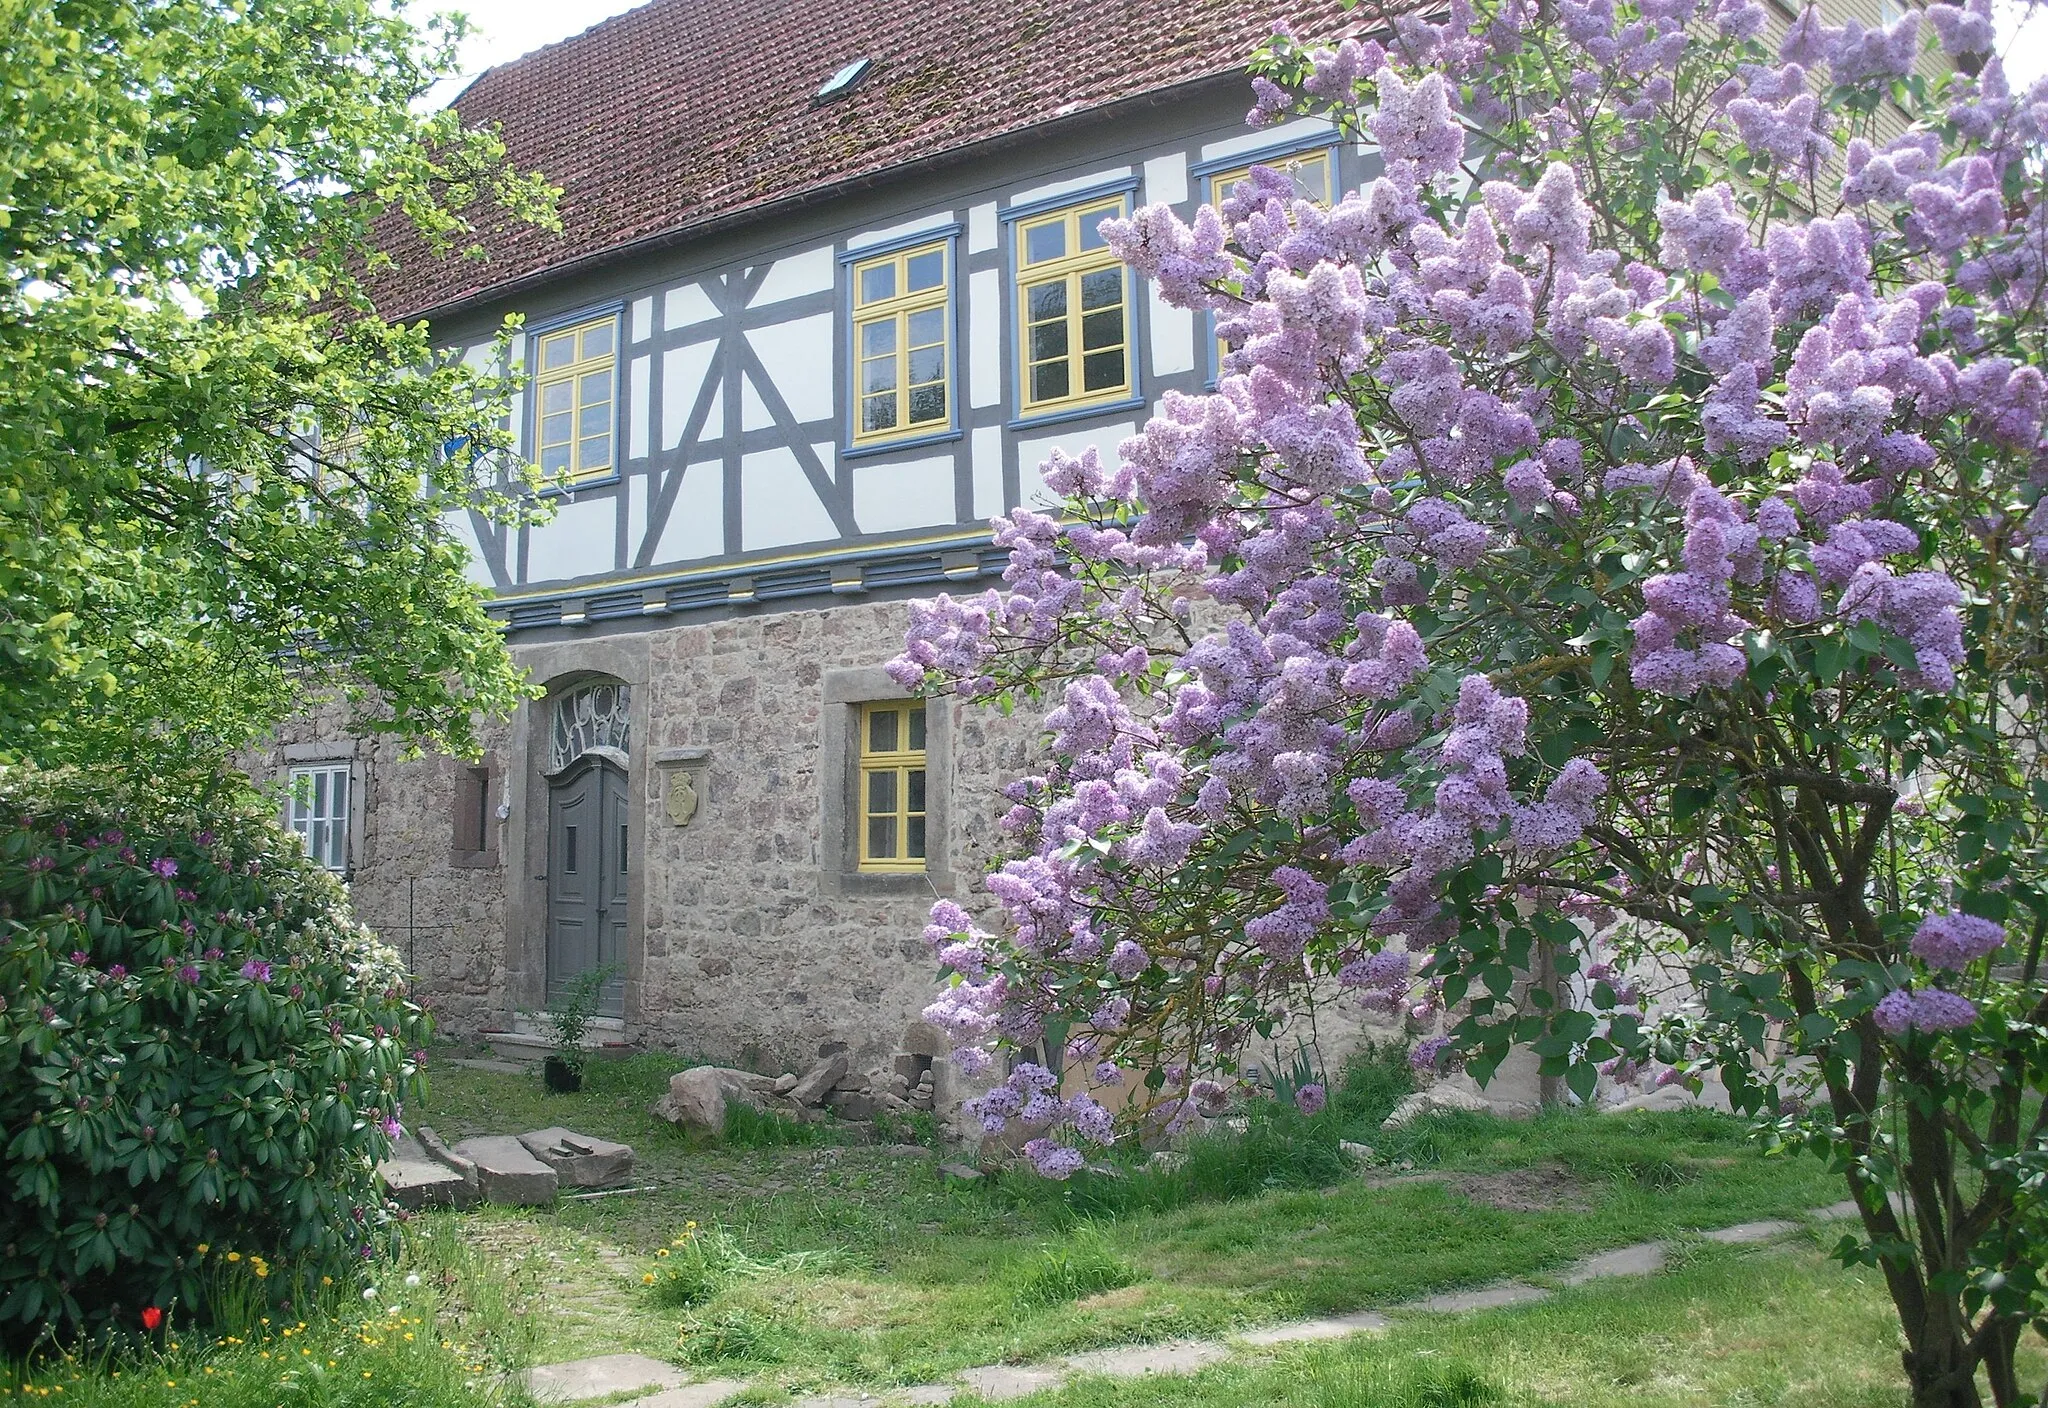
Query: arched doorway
[589, 836]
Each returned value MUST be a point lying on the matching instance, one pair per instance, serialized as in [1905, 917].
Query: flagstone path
[612, 1374]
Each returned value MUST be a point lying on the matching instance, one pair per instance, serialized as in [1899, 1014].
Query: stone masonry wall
[753, 946]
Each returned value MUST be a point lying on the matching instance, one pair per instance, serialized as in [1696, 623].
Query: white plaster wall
[682, 377]
[798, 358]
[685, 305]
[638, 411]
[1301, 129]
[473, 568]
[581, 541]
[887, 497]
[778, 508]
[1052, 189]
[987, 447]
[1031, 489]
[1166, 179]
[696, 525]
[938, 219]
[984, 338]
[799, 274]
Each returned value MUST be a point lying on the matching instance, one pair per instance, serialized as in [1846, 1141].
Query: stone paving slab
[580, 1160]
[999, 1383]
[507, 1173]
[606, 1375]
[1643, 1259]
[691, 1395]
[485, 1063]
[1329, 1327]
[1137, 1360]
[1836, 1212]
[1484, 1298]
[1743, 1233]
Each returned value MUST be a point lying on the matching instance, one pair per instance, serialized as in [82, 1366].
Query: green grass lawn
[827, 1264]
[922, 1277]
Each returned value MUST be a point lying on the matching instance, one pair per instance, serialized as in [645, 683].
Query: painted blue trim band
[1107, 408]
[1122, 185]
[913, 442]
[1263, 156]
[859, 253]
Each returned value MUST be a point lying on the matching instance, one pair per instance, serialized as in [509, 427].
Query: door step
[529, 1040]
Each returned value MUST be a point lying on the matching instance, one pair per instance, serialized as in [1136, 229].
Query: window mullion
[903, 375]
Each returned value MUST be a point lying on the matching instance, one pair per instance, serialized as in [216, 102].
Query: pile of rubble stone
[699, 1097]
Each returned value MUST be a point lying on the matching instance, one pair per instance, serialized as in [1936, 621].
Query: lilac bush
[1613, 552]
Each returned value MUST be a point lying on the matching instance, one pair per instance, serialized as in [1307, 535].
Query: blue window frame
[902, 367]
[1313, 163]
[1073, 309]
[573, 388]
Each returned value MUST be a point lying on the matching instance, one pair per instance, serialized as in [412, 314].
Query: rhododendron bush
[1615, 545]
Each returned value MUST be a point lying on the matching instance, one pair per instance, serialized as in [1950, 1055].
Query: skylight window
[841, 83]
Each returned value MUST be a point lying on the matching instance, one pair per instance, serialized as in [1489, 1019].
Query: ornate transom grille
[590, 716]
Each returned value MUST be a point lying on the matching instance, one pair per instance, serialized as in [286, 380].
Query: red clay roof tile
[683, 112]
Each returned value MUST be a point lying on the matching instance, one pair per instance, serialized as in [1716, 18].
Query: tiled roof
[686, 112]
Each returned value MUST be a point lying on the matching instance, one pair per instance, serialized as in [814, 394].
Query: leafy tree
[1600, 608]
[222, 476]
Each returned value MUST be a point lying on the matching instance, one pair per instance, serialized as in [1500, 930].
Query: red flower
[151, 1318]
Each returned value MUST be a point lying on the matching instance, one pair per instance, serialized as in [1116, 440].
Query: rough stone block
[963, 1172]
[580, 1160]
[818, 1079]
[854, 1104]
[423, 1183]
[697, 1098]
[437, 1149]
[507, 1173]
[1436, 1100]
[785, 1083]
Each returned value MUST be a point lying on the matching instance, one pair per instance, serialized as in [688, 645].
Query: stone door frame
[560, 666]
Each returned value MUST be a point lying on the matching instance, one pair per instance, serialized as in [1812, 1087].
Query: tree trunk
[2001, 1348]
[1940, 1367]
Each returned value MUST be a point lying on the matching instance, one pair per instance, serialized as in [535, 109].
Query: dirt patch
[1541, 1188]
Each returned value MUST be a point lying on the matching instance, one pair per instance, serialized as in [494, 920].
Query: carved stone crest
[683, 793]
[682, 796]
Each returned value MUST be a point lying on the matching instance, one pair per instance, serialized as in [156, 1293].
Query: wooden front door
[588, 823]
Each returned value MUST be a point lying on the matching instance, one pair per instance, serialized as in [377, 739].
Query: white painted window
[318, 812]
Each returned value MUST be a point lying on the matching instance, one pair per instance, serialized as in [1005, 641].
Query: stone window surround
[330, 754]
[487, 855]
[845, 691]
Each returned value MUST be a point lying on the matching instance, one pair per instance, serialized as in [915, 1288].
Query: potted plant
[568, 1018]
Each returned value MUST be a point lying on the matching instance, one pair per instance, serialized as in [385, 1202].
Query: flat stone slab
[1485, 1298]
[1745, 1232]
[999, 1383]
[1137, 1360]
[580, 1160]
[495, 1067]
[425, 1183]
[1836, 1212]
[1328, 1327]
[689, 1395]
[606, 1375]
[507, 1173]
[1643, 1259]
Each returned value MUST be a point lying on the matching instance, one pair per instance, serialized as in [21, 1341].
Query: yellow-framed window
[1310, 170]
[1314, 179]
[575, 393]
[1073, 310]
[900, 343]
[892, 786]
